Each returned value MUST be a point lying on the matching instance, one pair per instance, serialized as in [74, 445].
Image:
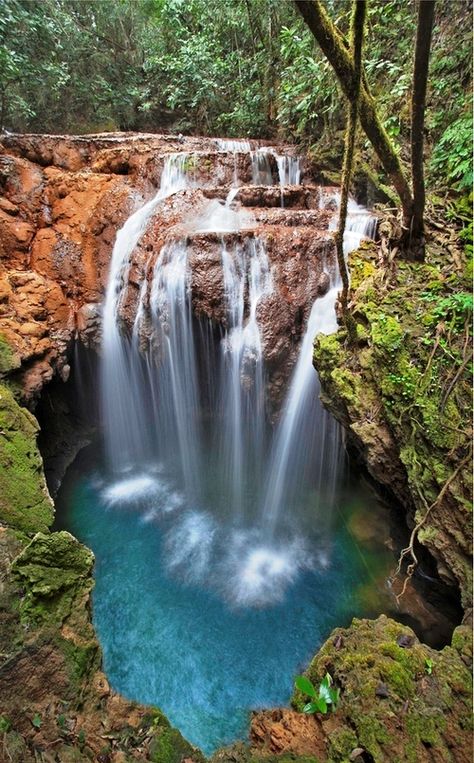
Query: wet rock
[405, 641]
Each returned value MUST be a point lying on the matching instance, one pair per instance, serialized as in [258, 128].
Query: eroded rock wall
[403, 394]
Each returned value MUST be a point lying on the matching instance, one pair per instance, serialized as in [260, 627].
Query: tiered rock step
[143, 155]
[304, 196]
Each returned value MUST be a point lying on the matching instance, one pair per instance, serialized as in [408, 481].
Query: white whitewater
[175, 379]
[234, 147]
[289, 168]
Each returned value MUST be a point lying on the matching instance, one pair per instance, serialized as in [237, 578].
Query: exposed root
[409, 551]
[466, 355]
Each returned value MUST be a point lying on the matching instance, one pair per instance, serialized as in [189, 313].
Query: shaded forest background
[239, 68]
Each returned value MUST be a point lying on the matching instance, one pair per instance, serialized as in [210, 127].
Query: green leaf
[37, 721]
[334, 694]
[317, 706]
[322, 705]
[304, 684]
[325, 692]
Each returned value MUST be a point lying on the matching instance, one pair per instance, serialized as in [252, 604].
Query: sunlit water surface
[205, 620]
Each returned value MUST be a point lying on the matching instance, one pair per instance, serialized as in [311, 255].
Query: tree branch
[329, 40]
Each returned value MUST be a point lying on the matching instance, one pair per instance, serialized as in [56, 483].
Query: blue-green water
[171, 613]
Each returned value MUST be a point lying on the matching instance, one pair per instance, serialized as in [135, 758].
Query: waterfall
[175, 379]
[289, 170]
[234, 147]
[124, 422]
[261, 167]
[188, 434]
[307, 437]
[242, 408]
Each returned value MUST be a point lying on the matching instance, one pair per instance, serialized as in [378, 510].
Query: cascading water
[242, 406]
[175, 381]
[307, 436]
[124, 424]
[213, 524]
[235, 147]
[289, 170]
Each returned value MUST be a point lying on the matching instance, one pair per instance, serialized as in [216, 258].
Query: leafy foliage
[452, 156]
[321, 699]
[247, 67]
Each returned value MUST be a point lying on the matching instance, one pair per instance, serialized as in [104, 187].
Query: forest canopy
[240, 68]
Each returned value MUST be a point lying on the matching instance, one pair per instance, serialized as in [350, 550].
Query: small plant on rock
[322, 698]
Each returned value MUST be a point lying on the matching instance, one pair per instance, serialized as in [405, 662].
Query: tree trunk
[331, 42]
[420, 78]
[357, 37]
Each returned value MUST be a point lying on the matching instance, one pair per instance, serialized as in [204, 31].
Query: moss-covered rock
[398, 696]
[403, 393]
[54, 572]
[24, 500]
[169, 746]
[8, 359]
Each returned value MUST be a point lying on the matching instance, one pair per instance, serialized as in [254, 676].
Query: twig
[466, 357]
[409, 551]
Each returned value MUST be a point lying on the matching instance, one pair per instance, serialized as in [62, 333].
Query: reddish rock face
[62, 200]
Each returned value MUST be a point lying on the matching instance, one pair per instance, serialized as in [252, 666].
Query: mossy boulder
[25, 503]
[54, 573]
[168, 745]
[398, 697]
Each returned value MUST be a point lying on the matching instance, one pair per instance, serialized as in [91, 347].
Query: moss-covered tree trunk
[420, 78]
[332, 44]
[357, 36]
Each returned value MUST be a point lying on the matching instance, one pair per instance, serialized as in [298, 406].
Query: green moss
[462, 640]
[427, 534]
[371, 733]
[341, 743]
[54, 571]
[171, 747]
[24, 500]
[361, 271]
[327, 351]
[348, 385]
[82, 660]
[156, 719]
[422, 729]
[8, 360]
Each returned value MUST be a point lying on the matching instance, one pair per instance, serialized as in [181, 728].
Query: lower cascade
[216, 519]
